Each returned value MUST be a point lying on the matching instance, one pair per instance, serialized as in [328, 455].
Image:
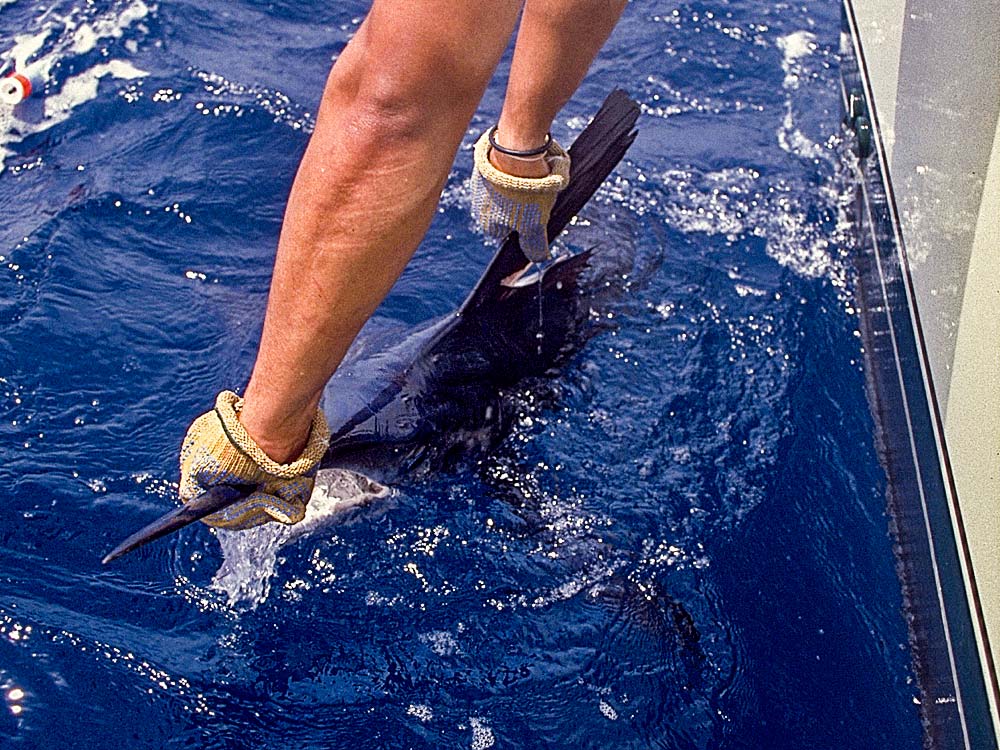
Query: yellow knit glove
[218, 450]
[502, 203]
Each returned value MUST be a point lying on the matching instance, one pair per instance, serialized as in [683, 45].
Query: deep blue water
[682, 544]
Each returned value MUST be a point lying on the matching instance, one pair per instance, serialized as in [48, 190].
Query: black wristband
[514, 152]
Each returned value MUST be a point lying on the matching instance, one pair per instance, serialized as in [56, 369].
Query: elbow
[395, 105]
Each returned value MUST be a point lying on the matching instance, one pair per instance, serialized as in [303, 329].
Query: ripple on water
[573, 589]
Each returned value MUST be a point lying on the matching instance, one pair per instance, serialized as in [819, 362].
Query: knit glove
[502, 203]
[218, 450]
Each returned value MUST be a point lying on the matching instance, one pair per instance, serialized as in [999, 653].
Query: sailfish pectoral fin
[216, 499]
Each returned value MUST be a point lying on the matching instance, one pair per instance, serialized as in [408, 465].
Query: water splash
[81, 88]
[420, 711]
[250, 558]
[482, 734]
[795, 46]
[231, 98]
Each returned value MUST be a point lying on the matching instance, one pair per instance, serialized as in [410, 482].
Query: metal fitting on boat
[857, 119]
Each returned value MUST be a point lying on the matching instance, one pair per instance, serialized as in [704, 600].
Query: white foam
[7, 121]
[739, 202]
[441, 642]
[57, 38]
[482, 734]
[88, 35]
[25, 47]
[744, 290]
[608, 711]
[794, 141]
[75, 91]
[420, 711]
[795, 244]
[83, 87]
[795, 46]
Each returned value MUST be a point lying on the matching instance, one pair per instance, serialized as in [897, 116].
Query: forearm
[556, 43]
[358, 209]
[343, 247]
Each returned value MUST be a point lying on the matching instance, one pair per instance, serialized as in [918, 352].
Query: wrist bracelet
[514, 152]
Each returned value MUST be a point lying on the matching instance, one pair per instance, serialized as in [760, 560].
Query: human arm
[395, 108]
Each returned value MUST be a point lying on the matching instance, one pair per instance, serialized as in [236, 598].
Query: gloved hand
[218, 450]
[502, 203]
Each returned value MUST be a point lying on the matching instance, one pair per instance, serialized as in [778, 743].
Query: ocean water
[681, 544]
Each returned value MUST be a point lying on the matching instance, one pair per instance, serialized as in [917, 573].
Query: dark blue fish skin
[438, 396]
[441, 394]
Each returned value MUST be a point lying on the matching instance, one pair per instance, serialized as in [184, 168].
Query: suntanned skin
[556, 42]
[395, 108]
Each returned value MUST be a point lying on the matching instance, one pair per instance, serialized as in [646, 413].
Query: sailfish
[438, 393]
